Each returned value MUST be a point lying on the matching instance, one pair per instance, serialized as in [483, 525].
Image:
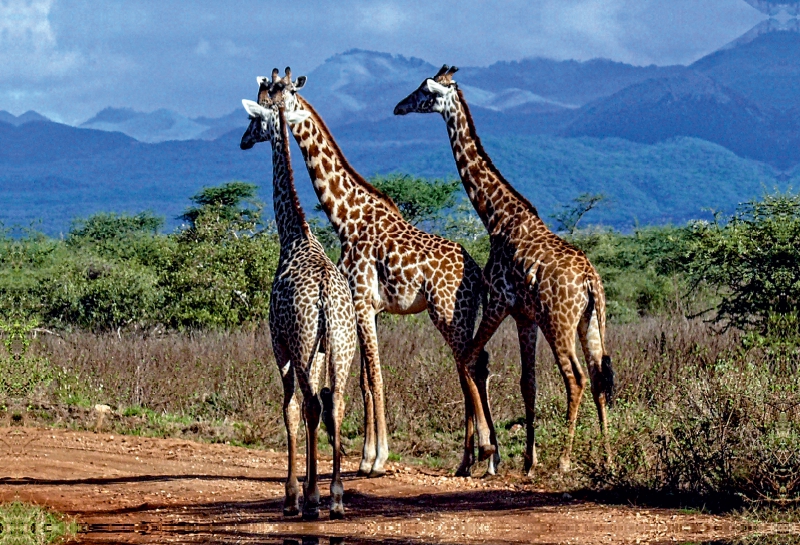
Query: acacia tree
[420, 200]
[571, 214]
[752, 262]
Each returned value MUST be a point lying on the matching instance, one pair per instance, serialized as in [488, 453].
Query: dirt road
[145, 490]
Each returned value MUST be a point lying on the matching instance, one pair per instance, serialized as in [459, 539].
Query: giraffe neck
[494, 199]
[343, 194]
[289, 217]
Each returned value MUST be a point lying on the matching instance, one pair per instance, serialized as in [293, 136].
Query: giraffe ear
[436, 88]
[297, 116]
[300, 83]
[262, 80]
[253, 109]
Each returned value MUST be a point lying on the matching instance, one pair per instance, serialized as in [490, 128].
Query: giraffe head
[284, 89]
[265, 119]
[432, 96]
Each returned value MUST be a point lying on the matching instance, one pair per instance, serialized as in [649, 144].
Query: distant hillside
[567, 82]
[88, 171]
[162, 125]
[687, 105]
[764, 66]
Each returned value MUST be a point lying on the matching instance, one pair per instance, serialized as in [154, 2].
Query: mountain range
[662, 142]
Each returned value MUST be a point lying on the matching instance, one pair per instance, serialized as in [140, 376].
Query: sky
[68, 59]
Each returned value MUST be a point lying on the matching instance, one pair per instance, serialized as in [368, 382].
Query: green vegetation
[115, 271]
[26, 524]
[421, 201]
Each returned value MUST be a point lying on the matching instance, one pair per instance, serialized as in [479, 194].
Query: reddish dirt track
[145, 490]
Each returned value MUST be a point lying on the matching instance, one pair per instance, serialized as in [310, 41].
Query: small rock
[102, 408]
[566, 497]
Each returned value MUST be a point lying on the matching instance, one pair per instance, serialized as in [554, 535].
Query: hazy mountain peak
[27, 117]
[112, 115]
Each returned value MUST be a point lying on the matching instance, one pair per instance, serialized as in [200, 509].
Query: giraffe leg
[291, 419]
[369, 451]
[337, 488]
[482, 380]
[457, 333]
[602, 384]
[468, 459]
[527, 332]
[367, 325]
[312, 410]
[563, 345]
[477, 374]
[339, 367]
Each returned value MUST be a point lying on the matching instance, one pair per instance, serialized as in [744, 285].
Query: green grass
[26, 524]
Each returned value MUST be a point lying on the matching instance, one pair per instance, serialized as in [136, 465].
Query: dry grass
[690, 418]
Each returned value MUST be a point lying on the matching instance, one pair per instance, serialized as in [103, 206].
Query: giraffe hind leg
[527, 332]
[601, 373]
[291, 420]
[562, 343]
[339, 368]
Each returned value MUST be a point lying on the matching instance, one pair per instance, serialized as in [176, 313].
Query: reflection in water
[246, 538]
[24, 524]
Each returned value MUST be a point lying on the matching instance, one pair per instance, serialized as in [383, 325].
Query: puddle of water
[25, 524]
[242, 535]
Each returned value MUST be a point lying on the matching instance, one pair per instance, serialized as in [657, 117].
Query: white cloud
[381, 17]
[30, 46]
[224, 48]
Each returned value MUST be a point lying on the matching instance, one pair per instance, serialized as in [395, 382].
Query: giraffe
[311, 316]
[536, 277]
[394, 267]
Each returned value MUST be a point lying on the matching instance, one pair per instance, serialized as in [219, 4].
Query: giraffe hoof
[486, 452]
[363, 472]
[376, 473]
[464, 471]
[337, 513]
[291, 511]
[312, 514]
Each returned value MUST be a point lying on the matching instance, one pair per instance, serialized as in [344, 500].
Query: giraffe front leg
[468, 459]
[368, 452]
[527, 332]
[373, 365]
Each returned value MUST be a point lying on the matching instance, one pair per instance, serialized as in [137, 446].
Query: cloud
[78, 57]
[381, 17]
[30, 46]
[224, 48]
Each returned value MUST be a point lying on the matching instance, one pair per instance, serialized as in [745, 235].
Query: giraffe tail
[325, 394]
[607, 376]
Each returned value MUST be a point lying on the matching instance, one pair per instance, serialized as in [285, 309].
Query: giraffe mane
[383, 197]
[289, 170]
[485, 156]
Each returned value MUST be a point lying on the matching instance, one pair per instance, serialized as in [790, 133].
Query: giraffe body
[391, 266]
[534, 276]
[311, 321]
